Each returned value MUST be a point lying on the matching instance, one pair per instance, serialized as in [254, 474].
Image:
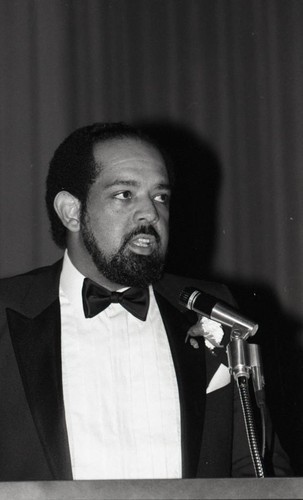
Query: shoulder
[170, 286]
[15, 289]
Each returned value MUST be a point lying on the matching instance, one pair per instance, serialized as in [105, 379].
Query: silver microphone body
[256, 367]
[219, 311]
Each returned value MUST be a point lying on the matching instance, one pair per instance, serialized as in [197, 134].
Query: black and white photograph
[151, 247]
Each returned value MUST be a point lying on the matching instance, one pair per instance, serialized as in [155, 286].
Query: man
[94, 387]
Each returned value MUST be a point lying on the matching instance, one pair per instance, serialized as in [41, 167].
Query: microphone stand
[244, 359]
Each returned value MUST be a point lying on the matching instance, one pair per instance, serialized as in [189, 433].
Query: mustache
[142, 230]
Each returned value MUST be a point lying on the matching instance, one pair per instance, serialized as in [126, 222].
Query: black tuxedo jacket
[33, 436]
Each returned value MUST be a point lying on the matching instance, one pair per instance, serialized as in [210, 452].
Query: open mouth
[144, 244]
[143, 241]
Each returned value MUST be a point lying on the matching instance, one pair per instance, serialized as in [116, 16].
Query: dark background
[220, 83]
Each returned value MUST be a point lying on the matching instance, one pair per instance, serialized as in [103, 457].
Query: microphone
[257, 373]
[217, 310]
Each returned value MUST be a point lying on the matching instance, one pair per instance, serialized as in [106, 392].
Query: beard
[124, 266]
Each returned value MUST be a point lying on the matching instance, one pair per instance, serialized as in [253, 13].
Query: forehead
[129, 155]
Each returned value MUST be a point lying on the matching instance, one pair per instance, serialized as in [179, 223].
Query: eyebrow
[119, 182]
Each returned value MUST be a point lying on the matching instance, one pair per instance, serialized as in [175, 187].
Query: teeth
[142, 242]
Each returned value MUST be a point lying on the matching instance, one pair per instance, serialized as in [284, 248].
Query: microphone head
[197, 301]
[184, 297]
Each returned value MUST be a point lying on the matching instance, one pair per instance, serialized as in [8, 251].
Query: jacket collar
[36, 290]
[191, 377]
[36, 337]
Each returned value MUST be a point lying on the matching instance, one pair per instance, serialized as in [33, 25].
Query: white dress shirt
[120, 391]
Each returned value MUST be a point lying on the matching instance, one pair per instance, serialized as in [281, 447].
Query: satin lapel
[190, 371]
[37, 348]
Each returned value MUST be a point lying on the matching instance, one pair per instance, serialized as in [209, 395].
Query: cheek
[109, 232]
[164, 221]
[163, 230]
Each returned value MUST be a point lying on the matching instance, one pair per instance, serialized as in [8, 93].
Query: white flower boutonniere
[207, 328]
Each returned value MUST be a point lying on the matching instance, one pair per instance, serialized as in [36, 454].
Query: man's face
[125, 224]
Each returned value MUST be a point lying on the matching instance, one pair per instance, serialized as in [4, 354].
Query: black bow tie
[96, 299]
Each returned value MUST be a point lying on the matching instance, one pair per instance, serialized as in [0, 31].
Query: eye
[124, 195]
[162, 198]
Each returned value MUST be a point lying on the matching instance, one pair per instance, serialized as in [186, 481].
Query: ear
[67, 208]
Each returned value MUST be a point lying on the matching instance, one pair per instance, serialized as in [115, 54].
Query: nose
[147, 212]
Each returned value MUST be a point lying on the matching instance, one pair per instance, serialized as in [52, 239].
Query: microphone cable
[242, 383]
